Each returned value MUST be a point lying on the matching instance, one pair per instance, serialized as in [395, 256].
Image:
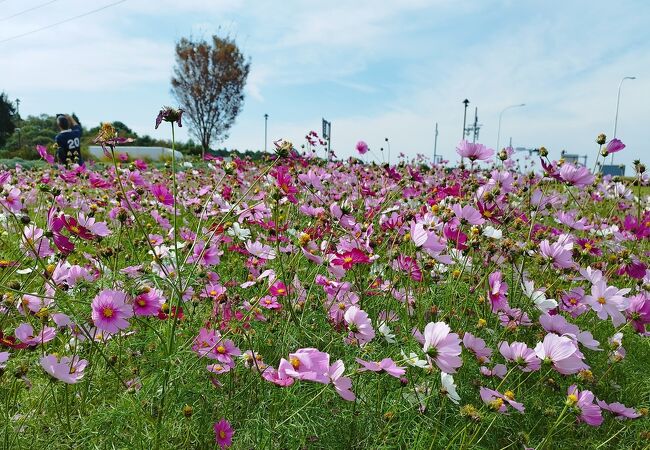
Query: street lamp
[500, 116]
[618, 102]
[465, 102]
[266, 121]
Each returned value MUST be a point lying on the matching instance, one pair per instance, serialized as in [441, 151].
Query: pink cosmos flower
[359, 324]
[385, 365]
[558, 252]
[224, 351]
[474, 151]
[638, 312]
[578, 176]
[69, 370]
[306, 364]
[4, 357]
[25, 333]
[223, 433]
[620, 411]
[110, 311]
[148, 302]
[519, 353]
[477, 346]
[562, 353]
[608, 301]
[498, 401]
[260, 250]
[584, 402]
[272, 375]
[468, 214]
[362, 147]
[499, 370]
[162, 194]
[206, 255]
[269, 302]
[342, 385]
[442, 347]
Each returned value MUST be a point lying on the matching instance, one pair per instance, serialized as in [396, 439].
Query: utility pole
[476, 128]
[266, 121]
[465, 102]
[435, 145]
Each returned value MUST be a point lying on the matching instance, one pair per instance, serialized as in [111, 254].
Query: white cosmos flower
[385, 332]
[414, 360]
[238, 232]
[491, 232]
[449, 387]
[538, 297]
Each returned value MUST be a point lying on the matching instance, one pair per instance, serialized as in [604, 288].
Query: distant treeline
[40, 130]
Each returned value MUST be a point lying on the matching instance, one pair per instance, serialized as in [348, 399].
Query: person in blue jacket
[68, 140]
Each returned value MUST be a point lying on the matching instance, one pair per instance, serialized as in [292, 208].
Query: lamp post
[465, 102]
[500, 116]
[435, 145]
[618, 102]
[266, 122]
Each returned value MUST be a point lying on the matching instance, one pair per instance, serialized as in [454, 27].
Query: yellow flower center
[222, 434]
[509, 395]
[295, 362]
[221, 349]
[347, 259]
[601, 300]
[108, 313]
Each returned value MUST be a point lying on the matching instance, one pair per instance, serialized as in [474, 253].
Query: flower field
[299, 303]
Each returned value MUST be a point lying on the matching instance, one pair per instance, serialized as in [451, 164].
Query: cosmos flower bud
[503, 155]
[604, 152]
[543, 152]
[601, 139]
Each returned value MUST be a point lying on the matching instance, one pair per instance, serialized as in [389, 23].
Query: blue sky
[375, 69]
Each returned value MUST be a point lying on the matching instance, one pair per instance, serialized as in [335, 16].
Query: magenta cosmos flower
[385, 365]
[148, 302]
[223, 433]
[359, 325]
[497, 292]
[474, 151]
[614, 146]
[110, 311]
[584, 403]
[442, 347]
[162, 194]
[362, 147]
[69, 370]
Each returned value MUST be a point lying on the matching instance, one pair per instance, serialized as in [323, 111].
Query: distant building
[613, 170]
[152, 153]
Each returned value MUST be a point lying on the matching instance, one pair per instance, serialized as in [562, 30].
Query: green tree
[7, 119]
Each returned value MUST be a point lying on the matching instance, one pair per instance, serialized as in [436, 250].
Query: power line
[61, 22]
[27, 10]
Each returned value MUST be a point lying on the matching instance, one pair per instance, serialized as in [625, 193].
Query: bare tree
[208, 82]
